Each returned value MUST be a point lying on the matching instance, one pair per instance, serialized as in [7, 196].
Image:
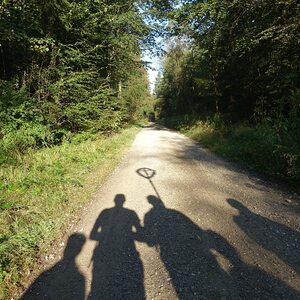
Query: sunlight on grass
[40, 193]
[262, 148]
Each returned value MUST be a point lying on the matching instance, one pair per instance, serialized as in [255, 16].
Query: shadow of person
[63, 280]
[277, 238]
[202, 264]
[117, 269]
[188, 253]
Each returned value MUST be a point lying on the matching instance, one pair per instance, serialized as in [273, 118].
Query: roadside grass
[261, 148]
[41, 190]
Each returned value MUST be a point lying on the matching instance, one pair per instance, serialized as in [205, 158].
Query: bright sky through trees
[155, 65]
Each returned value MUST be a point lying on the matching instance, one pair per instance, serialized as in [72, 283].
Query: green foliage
[240, 64]
[41, 192]
[136, 95]
[185, 86]
[271, 148]
[29, 135]
[61, 65]
[242, 59]
[70, 75]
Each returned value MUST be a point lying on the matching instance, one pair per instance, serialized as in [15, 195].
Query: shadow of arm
[139, 234]
[222, 246]
[149, 231]
[96, 233]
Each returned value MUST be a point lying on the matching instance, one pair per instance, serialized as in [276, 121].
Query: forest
[67, 67]
[76, 66]
[73, 81]
[231, 80]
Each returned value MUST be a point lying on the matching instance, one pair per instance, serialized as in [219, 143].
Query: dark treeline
[237, 62]
[240, 58]
[68, 66]
[71, 73]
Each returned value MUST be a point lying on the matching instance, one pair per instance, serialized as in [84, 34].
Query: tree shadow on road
[63, 280]
[283, 241]
[192, 257]
[117, 269]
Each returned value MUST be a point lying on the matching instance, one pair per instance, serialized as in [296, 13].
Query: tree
[65, 60]
[245, 54]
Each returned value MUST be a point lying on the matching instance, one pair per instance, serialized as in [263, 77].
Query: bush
[29, 135]
[272, 147]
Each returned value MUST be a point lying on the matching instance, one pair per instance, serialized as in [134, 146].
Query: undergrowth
[39, 192]
[271, 147]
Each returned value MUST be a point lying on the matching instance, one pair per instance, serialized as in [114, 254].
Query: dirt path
[198, 229]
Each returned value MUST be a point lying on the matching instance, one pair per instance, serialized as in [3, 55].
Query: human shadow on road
[117, 269]
[192, 258]
[63, 280]
[277, 238]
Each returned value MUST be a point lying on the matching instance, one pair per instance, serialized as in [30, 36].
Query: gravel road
[175, 221]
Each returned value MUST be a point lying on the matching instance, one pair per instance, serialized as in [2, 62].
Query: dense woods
[238, 57]
[71, 76]
[68, 66]
[237, 62]
[71, 73]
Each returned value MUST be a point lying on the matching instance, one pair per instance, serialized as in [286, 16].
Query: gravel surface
[175, 221]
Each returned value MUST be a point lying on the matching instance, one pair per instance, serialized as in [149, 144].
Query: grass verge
[40, 192]
[263, 148]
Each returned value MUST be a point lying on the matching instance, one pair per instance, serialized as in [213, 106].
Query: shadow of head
[156, 202]
[74, 245]
[119, 200]
[236, 204]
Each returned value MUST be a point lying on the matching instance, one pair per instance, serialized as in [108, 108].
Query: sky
[152, 73]
[154, 63]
